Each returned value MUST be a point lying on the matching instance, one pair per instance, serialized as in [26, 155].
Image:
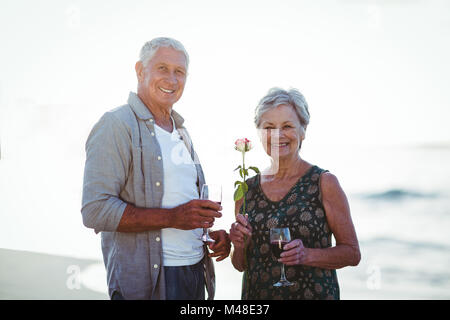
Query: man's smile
[166, 90]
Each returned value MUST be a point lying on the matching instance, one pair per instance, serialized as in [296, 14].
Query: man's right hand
[195, 214]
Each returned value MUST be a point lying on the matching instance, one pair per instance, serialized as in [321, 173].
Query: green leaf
[237, 182]
[237, 168]
[245, 187]
[239, 193]
[254, 169]
[241, 173]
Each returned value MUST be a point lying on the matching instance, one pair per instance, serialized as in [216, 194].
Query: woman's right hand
[239, 231]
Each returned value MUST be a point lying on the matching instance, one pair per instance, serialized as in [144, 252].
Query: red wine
[277, 247]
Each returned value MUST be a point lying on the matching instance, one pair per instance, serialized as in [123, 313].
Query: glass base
[207, 238]
[283, 283]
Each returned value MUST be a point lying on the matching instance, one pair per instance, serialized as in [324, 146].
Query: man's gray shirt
[124, 166]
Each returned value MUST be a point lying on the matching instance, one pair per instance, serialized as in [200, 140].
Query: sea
[399, 197]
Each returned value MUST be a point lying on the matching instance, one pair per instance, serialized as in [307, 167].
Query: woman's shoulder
[317, 169]
[323, 176]
[317, 172]
[328, 182]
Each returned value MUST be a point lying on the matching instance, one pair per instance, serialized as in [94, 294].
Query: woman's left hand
[221, 248]
[294, 253]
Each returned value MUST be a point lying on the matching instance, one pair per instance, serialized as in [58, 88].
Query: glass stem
[283, 276]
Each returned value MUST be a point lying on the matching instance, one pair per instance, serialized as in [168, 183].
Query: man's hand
[221, 248]
[195, 214]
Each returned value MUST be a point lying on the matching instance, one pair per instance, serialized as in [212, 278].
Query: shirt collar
[141, 110]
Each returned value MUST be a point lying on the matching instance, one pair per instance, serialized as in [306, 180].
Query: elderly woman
[296, 194]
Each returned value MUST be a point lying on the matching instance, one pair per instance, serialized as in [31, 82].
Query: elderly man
[141, 189]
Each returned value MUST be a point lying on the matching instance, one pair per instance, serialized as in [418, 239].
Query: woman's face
[281, 132]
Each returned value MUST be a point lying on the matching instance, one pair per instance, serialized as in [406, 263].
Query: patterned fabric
[302, 211]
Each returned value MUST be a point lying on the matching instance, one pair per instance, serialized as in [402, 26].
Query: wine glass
[279, 237]
[211, 192]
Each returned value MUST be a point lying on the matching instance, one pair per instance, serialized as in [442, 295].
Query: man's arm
[191, 215]
[108, 157]
[140, 219]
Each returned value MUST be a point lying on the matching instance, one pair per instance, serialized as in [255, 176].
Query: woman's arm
[239, 230]
[346, 252]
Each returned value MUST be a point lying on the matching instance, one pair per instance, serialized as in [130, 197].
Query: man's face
[162, 80]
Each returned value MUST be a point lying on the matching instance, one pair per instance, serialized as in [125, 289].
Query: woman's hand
[239, 230]
[221, 248]
[294, 253]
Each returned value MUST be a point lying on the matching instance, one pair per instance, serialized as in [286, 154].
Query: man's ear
[139, 67]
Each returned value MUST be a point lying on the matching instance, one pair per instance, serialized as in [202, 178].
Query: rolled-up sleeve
[108, 156]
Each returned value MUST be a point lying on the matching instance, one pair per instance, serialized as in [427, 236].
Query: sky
[374, 73]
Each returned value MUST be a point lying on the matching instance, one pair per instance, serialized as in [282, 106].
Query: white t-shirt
[180, 247]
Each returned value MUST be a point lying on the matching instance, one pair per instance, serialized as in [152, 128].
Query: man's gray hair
[276, 97]
[150, 48]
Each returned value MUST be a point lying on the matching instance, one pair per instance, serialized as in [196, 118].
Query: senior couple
[145, 202]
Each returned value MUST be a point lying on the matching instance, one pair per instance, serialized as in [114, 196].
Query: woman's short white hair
[150, 48]
[276, 97]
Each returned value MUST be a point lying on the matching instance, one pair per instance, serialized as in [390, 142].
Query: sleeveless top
[302, 211]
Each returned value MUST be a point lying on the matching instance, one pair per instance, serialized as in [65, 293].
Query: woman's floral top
[302, 211]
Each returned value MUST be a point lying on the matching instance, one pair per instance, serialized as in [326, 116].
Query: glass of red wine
[211, 192]
[279, 237]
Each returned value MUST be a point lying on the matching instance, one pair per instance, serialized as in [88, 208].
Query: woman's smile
[280, 145]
